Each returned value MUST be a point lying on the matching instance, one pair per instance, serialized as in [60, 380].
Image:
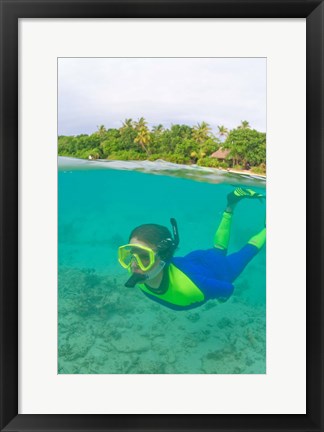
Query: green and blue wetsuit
[190, 281]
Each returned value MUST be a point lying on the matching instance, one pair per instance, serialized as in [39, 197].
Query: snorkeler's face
[143, 256]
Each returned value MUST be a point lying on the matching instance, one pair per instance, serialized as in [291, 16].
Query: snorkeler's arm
[216, 289]
[212, 287]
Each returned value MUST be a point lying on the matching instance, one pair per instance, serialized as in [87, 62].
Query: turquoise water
[106, 328]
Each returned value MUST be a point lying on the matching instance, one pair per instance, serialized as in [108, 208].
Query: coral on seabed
[104, 328]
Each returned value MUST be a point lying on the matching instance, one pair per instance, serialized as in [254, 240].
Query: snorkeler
[186, 282]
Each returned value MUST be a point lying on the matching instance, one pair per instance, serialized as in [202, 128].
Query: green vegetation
[180, 144]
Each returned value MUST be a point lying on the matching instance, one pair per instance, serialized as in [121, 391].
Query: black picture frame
[11, 11]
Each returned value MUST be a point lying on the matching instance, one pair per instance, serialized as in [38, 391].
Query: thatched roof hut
[220, 154]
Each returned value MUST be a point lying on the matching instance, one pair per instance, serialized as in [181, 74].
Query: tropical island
[238, 149]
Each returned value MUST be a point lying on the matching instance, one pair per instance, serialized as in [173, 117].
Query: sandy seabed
[105, 328]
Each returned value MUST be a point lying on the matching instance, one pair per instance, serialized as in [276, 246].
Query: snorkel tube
[167, 247]
[165, 250]
[175, 231]
[135, 279]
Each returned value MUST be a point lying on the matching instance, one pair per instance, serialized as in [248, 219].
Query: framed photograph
[161, 205]
[127, 173]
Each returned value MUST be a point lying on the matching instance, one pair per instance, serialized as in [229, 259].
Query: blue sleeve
[215, 289]
[209, 271]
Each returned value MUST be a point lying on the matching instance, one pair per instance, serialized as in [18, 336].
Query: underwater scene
[107, 328]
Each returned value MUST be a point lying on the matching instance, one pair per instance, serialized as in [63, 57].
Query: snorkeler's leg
[239, 260]
[259, 239]
[222, 235]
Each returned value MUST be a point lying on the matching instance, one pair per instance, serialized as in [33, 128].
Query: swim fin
[239, 193]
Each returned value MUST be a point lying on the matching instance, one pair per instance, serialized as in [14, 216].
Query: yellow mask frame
[144, 260]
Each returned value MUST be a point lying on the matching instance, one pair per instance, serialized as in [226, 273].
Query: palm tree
[244, 125]
[142, 123]
[143, 138]
[201, 132]
[127, 124]
[223, 131]
[101, 131]
[158, 129]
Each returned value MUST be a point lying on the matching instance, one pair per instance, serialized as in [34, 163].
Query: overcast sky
[219, 91]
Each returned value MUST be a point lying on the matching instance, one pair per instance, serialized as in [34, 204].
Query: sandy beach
[244, 172]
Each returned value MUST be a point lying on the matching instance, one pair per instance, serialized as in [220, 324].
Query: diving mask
[142, 255]
[143, 278]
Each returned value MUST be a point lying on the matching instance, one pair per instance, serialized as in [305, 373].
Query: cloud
[95, 91]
